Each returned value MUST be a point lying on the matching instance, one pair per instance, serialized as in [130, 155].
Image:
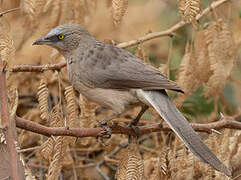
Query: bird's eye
[60, 36]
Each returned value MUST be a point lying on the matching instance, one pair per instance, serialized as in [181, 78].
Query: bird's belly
[116, 100]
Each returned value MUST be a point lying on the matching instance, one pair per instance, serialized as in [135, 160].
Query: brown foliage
[208, 61]
[130, 164]
[188, 9]
[221, 53]
[118, 10]
[213, 57]
[43, 100]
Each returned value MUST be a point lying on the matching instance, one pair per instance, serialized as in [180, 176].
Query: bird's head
[65, 38]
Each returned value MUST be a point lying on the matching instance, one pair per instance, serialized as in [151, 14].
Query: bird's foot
[135, 121]
[136, 131]
[106, 133]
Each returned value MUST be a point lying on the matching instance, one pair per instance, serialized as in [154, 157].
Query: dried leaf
[43, 94]
[131, 165]
[221, 53]
[118, 10]
[7, 48]
[187, 74]
[33, 8]
[56, 163]
[13, 102]
[71, 109]
[189, 9]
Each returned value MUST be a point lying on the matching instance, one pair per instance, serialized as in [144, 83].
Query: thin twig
[237, 177]
[29, 149]
[8, 11]
[215, 131]
[171, 30]
[110, 160]
[38, 68]
[101, 173]
[6, 178]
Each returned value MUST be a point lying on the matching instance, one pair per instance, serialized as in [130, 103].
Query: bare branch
[38, 68]
[8, 11]
[225, 122]
[171, 30]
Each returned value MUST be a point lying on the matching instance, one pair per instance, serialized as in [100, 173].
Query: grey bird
[116, 79]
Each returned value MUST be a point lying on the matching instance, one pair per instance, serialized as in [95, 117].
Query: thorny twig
[168, 32]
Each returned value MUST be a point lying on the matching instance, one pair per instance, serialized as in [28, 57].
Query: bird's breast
[72, 69]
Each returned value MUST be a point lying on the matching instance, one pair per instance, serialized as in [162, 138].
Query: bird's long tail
[177, 122]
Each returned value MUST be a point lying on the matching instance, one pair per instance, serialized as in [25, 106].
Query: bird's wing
[115, 68]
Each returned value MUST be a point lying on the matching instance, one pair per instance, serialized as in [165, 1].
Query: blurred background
[203, 57]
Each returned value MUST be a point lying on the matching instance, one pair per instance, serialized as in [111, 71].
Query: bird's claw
[106, 133]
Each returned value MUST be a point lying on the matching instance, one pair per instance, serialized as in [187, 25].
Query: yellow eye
[61, 36]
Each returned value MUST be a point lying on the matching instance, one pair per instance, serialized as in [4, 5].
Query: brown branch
[38, 68]
[56, 131]
[8, 126]
[171, 30]
[8, 11]
[168, 32]
[226, 122]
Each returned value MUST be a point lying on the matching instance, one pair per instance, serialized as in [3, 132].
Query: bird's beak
[41, 41]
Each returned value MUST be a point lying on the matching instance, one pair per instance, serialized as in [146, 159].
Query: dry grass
[209, 61]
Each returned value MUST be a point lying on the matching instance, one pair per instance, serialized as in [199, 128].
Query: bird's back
[106, 66]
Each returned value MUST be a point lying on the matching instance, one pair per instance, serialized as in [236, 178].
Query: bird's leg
[107, 129]
[138, 117]
[135, 121]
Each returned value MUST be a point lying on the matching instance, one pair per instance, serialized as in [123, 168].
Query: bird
[114, 78]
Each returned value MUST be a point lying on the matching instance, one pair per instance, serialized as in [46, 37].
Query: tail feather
[167, 110]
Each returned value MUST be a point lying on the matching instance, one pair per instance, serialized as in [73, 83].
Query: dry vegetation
[208, 69]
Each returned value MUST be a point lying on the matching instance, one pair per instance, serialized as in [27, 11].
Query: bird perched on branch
[116, 79]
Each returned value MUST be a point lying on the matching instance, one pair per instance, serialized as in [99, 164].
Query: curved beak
[41, 41]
